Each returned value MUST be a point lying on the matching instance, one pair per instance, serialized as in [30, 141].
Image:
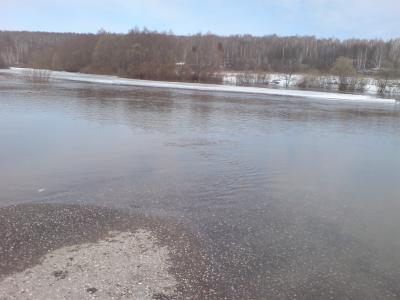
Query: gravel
[53, 251]
[125, 265]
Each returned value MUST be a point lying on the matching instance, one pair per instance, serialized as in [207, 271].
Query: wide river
[291, 197]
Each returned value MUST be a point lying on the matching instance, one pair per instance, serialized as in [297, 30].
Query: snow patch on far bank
[106, 79]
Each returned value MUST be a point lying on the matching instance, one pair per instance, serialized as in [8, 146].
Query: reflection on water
[292, 198]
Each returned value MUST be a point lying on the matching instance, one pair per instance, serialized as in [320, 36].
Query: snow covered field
[106, 79]
[370, 85]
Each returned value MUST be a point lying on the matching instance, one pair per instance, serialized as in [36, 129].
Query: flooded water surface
[292, 198]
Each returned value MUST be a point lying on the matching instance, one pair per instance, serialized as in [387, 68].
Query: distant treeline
[152, 55]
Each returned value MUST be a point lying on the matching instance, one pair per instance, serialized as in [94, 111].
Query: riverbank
[71, 251]
[115, 80]
[319, 82]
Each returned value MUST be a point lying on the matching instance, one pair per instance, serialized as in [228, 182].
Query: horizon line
[208, 33]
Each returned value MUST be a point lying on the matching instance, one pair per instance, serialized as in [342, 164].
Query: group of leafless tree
[37, 75]
[147, 54]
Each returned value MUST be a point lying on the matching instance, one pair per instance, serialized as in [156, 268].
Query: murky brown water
[292, 198]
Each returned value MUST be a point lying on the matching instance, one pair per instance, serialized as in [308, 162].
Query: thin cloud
[323, 18]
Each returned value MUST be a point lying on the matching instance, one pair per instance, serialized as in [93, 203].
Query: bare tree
[346, 72]
[154, 55]
[37, 75]
[289, 70]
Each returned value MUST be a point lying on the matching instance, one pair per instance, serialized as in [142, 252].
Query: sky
[322, 18]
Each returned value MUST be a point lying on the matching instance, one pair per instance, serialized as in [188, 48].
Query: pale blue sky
[323, 18]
